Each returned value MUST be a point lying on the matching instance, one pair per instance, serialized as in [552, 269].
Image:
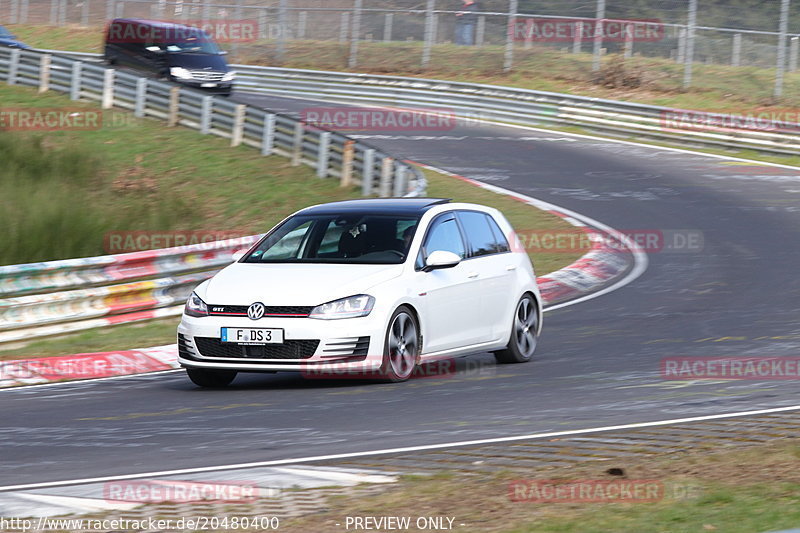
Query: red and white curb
[588, 277]
[88, 366]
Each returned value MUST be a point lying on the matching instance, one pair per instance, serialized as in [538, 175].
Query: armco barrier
[521, 106]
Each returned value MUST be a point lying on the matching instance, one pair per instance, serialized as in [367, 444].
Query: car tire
[213, 379]
[524, 333]
[401, 347]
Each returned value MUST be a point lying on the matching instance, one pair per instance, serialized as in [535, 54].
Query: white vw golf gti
[369, 288]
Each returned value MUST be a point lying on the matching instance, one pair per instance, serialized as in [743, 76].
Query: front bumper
[310, 345]
[216, 87]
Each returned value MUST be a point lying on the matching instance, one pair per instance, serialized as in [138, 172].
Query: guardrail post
[577, 39]
[368, 171]
[237, 132]
[428, 44]
[597, 50]
[480, 31]
[681, 46]
[691, 29]
[108, 89]
[352, 60]
[400, 180]
[344, 23]
[53, 12]
[508, 61]
[23, 11]
[263, 32]
[13, 66]
[85, 13]
[174, 106]
[348, 154]
[75, 81]
[140, 105]
[323, 154]
[110, 9]
[205, 114]
[736, 54]
[297, 143]
[629, 29]
[44, 73]
[388, 22]
[62, 13]
[793, 52]
[120, 9]
[386, 176]
[268, 134]
[302, 22]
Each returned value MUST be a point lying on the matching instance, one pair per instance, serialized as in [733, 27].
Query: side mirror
[238, 254]
[441, 259]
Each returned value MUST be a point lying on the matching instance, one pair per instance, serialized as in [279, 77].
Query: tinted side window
[499, 238]
[445, 235]
[479, 234]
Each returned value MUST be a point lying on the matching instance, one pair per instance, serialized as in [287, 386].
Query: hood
[273, 284]
[198, 61]
[13, 43]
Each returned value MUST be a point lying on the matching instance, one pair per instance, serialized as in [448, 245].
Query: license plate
[251, 335]
[208, 85]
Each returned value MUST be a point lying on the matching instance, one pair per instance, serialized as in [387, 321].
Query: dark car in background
[178, 53]
[8, 39]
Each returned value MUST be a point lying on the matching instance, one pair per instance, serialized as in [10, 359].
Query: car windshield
[345, 238]
[192, 43]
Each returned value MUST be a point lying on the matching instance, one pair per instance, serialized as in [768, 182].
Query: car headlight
[180, 73]
[195, 306]
[229, 76]
[351, 307]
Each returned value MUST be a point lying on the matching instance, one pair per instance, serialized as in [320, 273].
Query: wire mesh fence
[584, 33]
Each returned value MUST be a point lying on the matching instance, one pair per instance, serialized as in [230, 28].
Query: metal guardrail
[526, 107]
[41, 299]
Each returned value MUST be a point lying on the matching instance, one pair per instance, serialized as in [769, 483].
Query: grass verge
[66, 192]
[732, 491]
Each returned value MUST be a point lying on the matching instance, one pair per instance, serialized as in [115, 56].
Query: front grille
[207, 75]
[290, 349]
[288, 311]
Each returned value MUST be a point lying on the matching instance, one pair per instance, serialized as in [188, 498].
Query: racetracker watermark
[167, 490]
[62, 119]
[568, 30]
[679, 120]
[379, 119]
[118, 242]
[184, 32]
[598, 491]
[583, 240]
[739, 368]
[370, 368]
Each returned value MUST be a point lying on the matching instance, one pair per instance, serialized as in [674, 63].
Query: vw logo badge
[256, 311]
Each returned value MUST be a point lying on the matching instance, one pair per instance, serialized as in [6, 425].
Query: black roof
[156, 23]
[394, 206]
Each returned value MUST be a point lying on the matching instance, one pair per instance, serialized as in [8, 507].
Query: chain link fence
[507, 32]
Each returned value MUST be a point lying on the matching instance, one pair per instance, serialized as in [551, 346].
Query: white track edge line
[407, 449]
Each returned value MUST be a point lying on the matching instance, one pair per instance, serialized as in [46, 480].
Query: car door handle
[472, 275]
[511, 267]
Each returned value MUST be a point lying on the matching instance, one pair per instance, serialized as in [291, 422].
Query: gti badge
[256, 311]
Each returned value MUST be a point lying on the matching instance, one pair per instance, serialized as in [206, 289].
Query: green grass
[64, 191]
[747, 490]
